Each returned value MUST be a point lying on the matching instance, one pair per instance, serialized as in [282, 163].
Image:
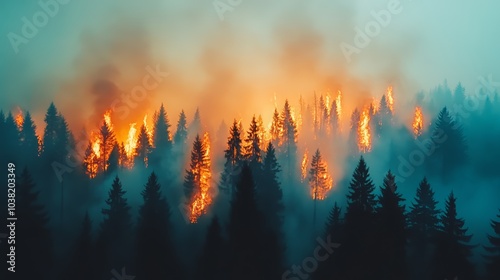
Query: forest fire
[364, 141]
[303, 166]
[390, 99]
[418, 122]
[320, 182]
[338, 102]
[19, 118]
[201, 175]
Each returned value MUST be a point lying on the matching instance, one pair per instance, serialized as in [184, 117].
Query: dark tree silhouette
[276, 129]
[452, 248]
[107, 142]
[155, 254]
[115, 231]
[288, 146]
[423, 221]
[493, 257]
[82, 264]
[28, 140]
[33, 239]
[319, 180]
[114, 159]
[269, 192]
[213, 262]
[56, 136]
[358, 248]
[143, 148]
[252, 151]
[181, 131]
[391, 232]
[234, 158]
[161, 142]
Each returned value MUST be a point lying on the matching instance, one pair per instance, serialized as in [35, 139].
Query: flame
[319, 190]
[364, 135]
[390, 99]
[374, 106]
[303, 166]
[19, 118]
[131, 142]
[107, 119]
[148, 131]
[338, 102]
[418, 122]
[201, 197]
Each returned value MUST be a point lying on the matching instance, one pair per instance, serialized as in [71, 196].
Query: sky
[251, 52]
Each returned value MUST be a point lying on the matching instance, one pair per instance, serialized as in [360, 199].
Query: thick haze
[259, 48]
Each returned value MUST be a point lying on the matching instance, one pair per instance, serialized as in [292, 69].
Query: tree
[181, 131]
[276, 129]
[143, 148]
[162, 143]
[34, 242]
[358, 249]
[212, 264]
[234, 158]
[269, 192]
[252, 146]
[115, 235]
[423, 221]
[289, 143]
[107, 141]
[452, 248]
[155, 253]
[329, 269]
[28, 139]
[10, 139]
[391, 226]
[82, 263]
[245, 231]
[493, 264]
[56, 136]
[114, 159]
[319, 180]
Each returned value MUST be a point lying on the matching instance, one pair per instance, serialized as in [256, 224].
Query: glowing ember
[364, 135]
[303, 166]
[19, 119]
[201, 198]
[418, 122]
[390, 99]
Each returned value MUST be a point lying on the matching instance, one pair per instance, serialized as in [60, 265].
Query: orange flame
[338, 102]
[390, 99]
[19, 118]
[319, 191]
[107, 119]
[303, 166]
[418, 122]
[201, 198]
[364, 134]
[131, 142]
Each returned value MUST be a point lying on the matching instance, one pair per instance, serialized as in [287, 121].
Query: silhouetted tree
[391, 232]
[269, 192]
[162, 143]
[28, 140]
[276, 129]
[452, 248]
[82, 262]
[55, 137]
[493, 258]
[213, 262]
[11, 140]
[234, 158]
[289, 143]
[115, 232]
[107, 141]
[155, 254]
[319, 180]
[423, 224]
[181, 131]
[252, 152]
[114, 159]
[143, 148]
[358, 248]
[33, 239]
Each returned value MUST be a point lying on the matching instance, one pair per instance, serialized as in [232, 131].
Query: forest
[318, 193]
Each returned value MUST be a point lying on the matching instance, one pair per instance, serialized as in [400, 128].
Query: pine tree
[353, 133]
[162, 142]
[143, 148]
[358, 249]
[452, 248]
[34, 246]
[107, 141]
[391, 226]
[423, 221]
[90, 161]
[82, 263]
[195, 126]
[29, 139]
[276, 129]
[114, 235]
[493, 258]
[212, 264]
[114, 159]
[269, 192]
[329, 269]
[181, 133]
[252, 145]
[319, 180]
[289, 143]
[10, 139]
[56, 136]
[334, 119]
[155, 253]
[245, 231]
[234, 158]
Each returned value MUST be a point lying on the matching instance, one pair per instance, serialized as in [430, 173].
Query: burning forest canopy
[297, 92]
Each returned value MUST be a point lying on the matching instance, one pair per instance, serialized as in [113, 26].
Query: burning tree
[364, 131]
[197, 179]
[253, 153]
[418, 122]
[320, 181]
[144, 147]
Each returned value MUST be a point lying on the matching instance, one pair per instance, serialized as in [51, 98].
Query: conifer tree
[29, 139]
[252, 144]
[452, 246]
[493, 257]
[269, 192]
[181, 131]
[161, 142]
[234, 159]
[213, 262]
[276, 129]
[82, 263]
[10, 138]
[107, 141]
[319, 180]
[155, 254]
[289, 143]
[143, 148]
